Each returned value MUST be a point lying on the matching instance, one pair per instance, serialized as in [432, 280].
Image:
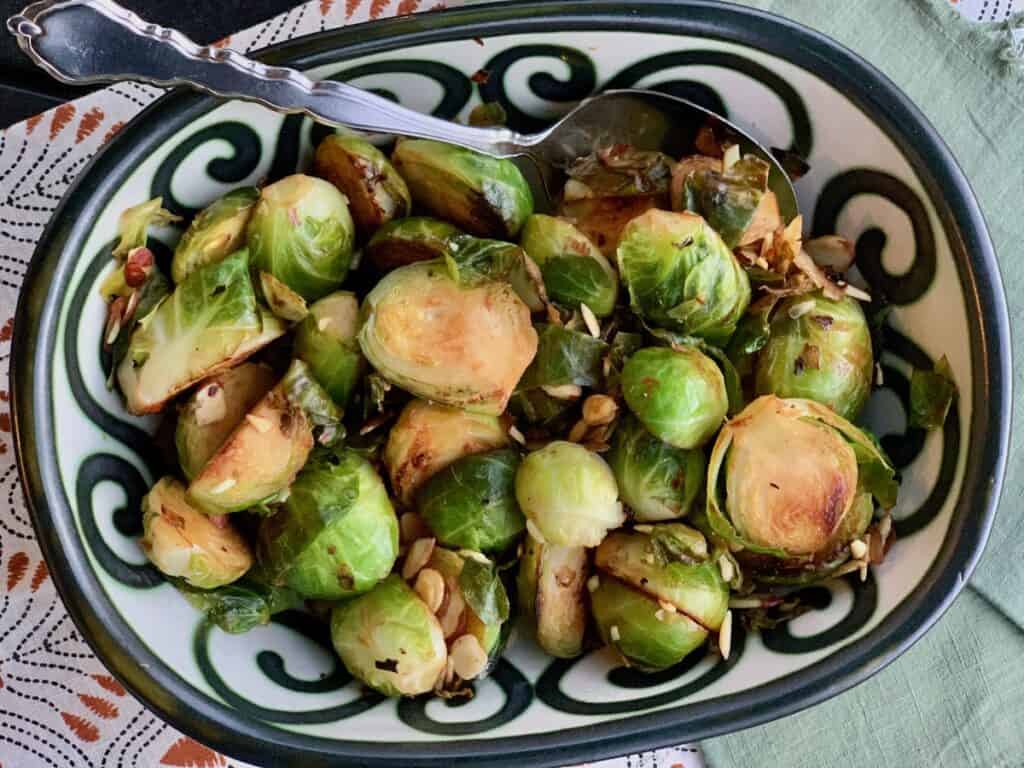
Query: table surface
[58, 706]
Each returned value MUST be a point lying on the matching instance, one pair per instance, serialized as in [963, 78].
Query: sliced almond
[262, 425]
[468, 657]
[599, 410]
[419, 555]
[590, 320]
[725, 635]
[564, 391]
[430, 587]
[412, 527]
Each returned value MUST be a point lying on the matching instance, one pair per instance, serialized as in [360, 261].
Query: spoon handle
[91, 41]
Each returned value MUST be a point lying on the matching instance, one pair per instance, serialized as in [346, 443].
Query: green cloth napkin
[957, 697]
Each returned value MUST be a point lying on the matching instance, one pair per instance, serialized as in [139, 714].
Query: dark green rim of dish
[213, 723]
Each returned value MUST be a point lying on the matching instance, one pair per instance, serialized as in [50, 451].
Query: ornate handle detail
[90, 41]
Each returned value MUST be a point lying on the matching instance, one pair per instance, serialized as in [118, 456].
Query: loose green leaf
[931, 394]
[482, 588]
[473, 261]
[728, 200]
[304, 392]
[136, 221]
[241, 606]
[563, 357]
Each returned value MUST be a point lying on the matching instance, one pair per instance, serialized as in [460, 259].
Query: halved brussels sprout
[568, 494]
[326, 340]
[682, 276]
[416, 238]
[375, 191]
[728, 199]
[551, 590]
[428, 437]
[210, 322]
[215, 232]
[818, 349]
[461, 346]
[258, 460]
[282, 300]
[793, 481]
[389, 639]
[242, 605]
[564, 356]
[471, 503]
[644, 634]
[678, 394]
[213, 411]
[301, 232]
[482, 195]
[656, 480]
[575, 271]
[336, 535]
[671, 564]
[182, 542]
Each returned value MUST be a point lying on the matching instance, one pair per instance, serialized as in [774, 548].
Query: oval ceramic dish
[277, 695]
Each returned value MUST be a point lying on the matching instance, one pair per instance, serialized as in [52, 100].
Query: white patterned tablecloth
[59, 707]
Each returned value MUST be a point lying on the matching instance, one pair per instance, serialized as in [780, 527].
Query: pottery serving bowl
[277, 695]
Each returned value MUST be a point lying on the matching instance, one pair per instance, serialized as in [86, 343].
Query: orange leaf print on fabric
[110, 684]
[407, 6]
[81, 727]
[5, 422]
[351, 6]
[16, 567]
[32, 122]
[325, 6]
[90, 122]
[377, 7]
[61, 117]
[4, 396]
[191, 754]
[8, 330]
[40, 575]
[113, 129]
[101, 707]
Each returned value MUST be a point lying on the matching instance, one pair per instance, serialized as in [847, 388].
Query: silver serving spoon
[95, 41]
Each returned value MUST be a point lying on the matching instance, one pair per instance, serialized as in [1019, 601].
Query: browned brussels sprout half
[793, 482]
[376, 193]
[326, 341]
[681, 276]
[552, 594]
[482, 195]
[660, 594]
[428, 437]
[818, 349]
[215, 232]
[405, 241]
[336, 534]
[459, 345]
[390, 640]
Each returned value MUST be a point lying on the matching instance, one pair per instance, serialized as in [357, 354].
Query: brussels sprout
[818, 349]
[682, 276]
[564, 357]
[213, 411]
[182, 542]
[471, 503]
[215, 232]
[301, 232]
[258, 460]
[375, 191]
[728, 199]
[602, 219]
[474, 261]
[401, 242]
[672, 565]
[482, 195]
[461, 346]
[793, 481]
[678, 394]
[428, 437]
[326, 340]
[931, 394]
[241, 606]
[575, 272]
[656, 481]
[551, 592]
[210, 322]
[568, 494]
[336, 535]
[644, 634]
[389, 639]
[282, 300]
